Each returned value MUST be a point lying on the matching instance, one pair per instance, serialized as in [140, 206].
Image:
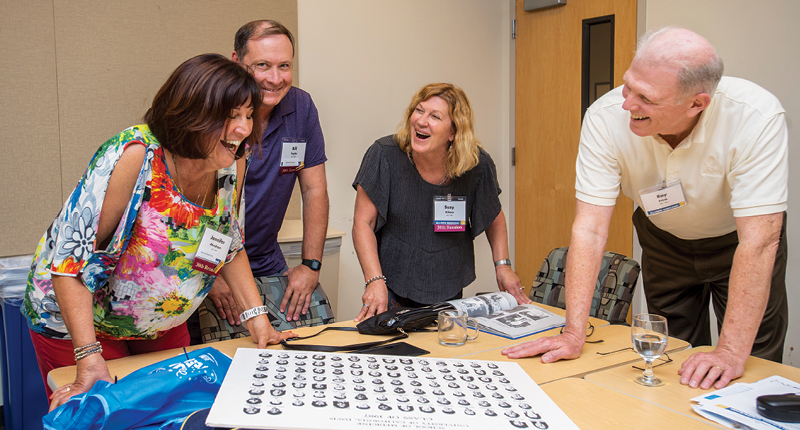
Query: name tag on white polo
[663, 197]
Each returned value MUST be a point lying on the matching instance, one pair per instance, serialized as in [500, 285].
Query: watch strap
[252, 313]
[506, 261]
[312, 264]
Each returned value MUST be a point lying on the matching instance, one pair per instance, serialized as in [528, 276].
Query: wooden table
[614, 337]
[485, 343]
[674, 396]
[592, 406]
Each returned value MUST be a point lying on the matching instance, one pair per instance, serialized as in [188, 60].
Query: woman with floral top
[152, 222]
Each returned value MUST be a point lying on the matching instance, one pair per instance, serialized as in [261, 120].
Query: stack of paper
[735, 405]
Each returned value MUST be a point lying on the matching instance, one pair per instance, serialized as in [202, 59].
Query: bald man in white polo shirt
[705, 159]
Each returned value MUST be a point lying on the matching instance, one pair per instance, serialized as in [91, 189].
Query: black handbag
[394, 321]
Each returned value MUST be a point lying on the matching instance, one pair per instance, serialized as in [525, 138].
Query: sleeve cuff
[594, 200]
[760, 210]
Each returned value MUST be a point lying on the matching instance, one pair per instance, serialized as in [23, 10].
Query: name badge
[211, 253]
[293, 155]
[450, 213]
[663, 197]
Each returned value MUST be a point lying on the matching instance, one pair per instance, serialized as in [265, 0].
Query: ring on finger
[365, 305]
[720, 369]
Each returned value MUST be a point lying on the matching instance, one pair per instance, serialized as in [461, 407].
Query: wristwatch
[312, 264]
[254, 312]
[507, 262]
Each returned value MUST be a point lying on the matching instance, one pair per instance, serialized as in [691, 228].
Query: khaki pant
[681, 276]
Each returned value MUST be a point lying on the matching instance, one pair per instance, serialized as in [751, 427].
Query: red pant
[54, 353]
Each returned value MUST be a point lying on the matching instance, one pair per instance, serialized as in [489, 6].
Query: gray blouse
[418, 263]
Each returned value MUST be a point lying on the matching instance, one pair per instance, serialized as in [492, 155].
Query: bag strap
[351, 347]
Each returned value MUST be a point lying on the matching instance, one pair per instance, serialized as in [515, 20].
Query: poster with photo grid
[276, 389]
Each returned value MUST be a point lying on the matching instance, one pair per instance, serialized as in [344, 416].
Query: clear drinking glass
[649, 335]
[455, 327]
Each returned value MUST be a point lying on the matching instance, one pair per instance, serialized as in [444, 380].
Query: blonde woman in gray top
[424, 194]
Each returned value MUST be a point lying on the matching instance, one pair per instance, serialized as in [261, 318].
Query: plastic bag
[147, 398]
[14, 276]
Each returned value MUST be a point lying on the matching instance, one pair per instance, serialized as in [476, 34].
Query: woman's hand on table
[508, 281]
[264, 334]
[374, 300]
[91, 369]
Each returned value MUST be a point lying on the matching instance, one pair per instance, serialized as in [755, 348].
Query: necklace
[203, 189]
[411, 157]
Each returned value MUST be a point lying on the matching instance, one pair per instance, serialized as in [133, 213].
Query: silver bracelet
[371, 280]
[87, 352]
[254, 312]
[85, 347]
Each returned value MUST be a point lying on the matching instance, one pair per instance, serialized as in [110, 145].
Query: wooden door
[548, 122]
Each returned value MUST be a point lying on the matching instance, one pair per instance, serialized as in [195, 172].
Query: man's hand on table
[220, 294]
[297, 298]
[704, 368]
[553, 348]
[91, 369]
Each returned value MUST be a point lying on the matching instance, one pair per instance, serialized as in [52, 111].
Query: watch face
[313, 264]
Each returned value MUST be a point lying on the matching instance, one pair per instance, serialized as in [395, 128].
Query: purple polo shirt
[266, 192]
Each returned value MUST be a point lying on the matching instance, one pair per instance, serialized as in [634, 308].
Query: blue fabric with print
[153, 397]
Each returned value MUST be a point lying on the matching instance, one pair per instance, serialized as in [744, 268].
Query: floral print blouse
[143, 282]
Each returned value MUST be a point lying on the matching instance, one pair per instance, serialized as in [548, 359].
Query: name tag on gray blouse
[450, 213]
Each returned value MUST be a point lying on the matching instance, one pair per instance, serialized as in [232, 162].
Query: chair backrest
[613, 292]
[213, 328]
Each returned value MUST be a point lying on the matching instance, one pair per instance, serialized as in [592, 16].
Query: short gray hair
[698, 69]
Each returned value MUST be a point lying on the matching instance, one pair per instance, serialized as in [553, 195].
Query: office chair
[612, 294]
[213, 328]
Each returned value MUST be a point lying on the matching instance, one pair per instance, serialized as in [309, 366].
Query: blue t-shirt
[266, 191]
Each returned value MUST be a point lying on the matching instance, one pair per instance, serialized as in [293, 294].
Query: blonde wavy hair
[463, 153]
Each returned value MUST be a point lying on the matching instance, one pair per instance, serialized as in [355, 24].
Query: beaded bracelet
[87, 352]
[85, 347]
[371, 280]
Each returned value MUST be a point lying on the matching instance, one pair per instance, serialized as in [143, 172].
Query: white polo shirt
[733, 164]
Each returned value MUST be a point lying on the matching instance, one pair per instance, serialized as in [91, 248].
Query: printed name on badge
[211, 253]
[662, 197]
[450, 213]
[293, 155]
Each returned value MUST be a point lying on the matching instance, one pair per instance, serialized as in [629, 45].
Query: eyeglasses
[589, 332]
[661, 359]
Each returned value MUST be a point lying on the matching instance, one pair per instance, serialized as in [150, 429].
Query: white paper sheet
[737, 403]
[275, 389]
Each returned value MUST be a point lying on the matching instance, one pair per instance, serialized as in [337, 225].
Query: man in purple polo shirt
[292, 147]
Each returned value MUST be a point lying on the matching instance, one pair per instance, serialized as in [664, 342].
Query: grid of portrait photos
[280, 389]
